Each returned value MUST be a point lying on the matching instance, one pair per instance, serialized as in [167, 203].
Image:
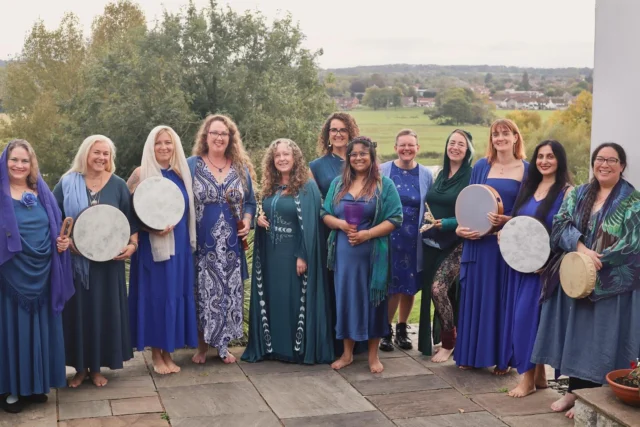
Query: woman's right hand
[346, 227]
[595, 256]
[163, 232]
[262, 222]
[466, 233]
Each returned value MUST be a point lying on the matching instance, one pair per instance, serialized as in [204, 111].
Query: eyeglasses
[608, 160]
[360, 155]
[336, 131]
[217, 135]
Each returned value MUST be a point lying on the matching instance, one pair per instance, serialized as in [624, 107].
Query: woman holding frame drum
[225, 205]
[587, 338]
[362, 208]
[35, 282]
[96, 319]
[540, 197]
[161, 299]
[289, 315]
[480, 342]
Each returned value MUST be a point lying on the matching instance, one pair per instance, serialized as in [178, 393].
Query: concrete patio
[411, 392]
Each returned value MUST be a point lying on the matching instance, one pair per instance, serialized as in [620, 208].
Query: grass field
[383, 125]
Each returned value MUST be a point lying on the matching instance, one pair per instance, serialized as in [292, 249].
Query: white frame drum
[474, 204]
[158, 202]
[525, 244]
[100, 232]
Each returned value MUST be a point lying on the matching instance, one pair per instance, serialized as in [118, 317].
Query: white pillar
[616, 80]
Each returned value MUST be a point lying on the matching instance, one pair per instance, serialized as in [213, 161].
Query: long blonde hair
[79, 164]
[32, 179]
[518, 149]
[235, 150]
[298, 176]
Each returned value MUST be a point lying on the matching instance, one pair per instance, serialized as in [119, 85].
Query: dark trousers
[577, 384]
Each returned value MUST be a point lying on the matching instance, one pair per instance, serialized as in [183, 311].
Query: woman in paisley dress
[225, 205]
[412, 181]
[289, 315]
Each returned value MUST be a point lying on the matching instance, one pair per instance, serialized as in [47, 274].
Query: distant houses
[346, 102]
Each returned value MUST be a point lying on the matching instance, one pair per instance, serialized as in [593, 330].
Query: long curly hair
[32, 178]
[518, 150]
[349, 174]
[235, 150]
[298, 176]
[323, 138]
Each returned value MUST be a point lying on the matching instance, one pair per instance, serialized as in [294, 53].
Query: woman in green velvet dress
[289, 314]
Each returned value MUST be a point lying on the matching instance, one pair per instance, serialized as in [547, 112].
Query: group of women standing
[337, 252]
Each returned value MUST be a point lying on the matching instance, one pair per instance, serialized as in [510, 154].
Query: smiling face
[99, 157]
[360, 158]
[19, 165]
[546, 161]
[503, 139]
[283, 158]
[407, 148]
[163, 148]
[218, 137]
[607, 167]
[457, 148]
[338, 133]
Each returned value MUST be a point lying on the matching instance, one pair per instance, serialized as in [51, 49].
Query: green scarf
[455, 184]
[388, 208]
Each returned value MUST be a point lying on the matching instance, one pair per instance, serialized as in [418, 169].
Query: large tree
[457, 106]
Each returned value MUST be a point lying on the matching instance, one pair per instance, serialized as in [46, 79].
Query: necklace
[94, 197]
[220, 169]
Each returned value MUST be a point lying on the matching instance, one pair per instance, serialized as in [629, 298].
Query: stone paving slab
[212, 372]
[472, 419]
[423, 403]
[400, 384]
[608, 404]
[277, 367]
[121, 388]
[35, 415]
[207, 400]
[258, 419]
[476, 380]
[306, 395]
[147, 420]
[360, 419]
[503, 405]
[546, 420]
[396, 367]
[89, 409]
[138, 405]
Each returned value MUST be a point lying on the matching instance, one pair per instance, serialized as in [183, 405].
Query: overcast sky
[537, 33]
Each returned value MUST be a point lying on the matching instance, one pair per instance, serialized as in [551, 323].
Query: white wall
[616, 80]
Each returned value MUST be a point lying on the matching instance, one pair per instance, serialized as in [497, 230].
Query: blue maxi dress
[405, 278]
[482, 291]
[357, 318]
[161, 300]
[522, 307]
[32, 359]
[324, 170]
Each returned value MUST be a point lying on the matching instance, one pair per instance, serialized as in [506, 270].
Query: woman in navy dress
[412, 181]
[481, 316]
[162, 307]
[541, 196]
[359, 254]
[35, 282]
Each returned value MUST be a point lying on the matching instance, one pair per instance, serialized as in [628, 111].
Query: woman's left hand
[497, 220]
[247, 227]
[126, 252]
[301, 266]
[62, 243]
[357, 237]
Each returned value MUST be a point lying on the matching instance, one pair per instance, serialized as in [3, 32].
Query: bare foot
[342, 362]
[201, 354]
[98, 379]
[540, 377]
[570, 413]
[375, 365]
[229, 359]
[565, 403]
[168, 361]
[501, 372]
[442, 355]
[523, 389]
[78, 378]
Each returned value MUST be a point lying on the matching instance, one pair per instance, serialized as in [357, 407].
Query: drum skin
[158, 202]
[101, 232]
[577, 275]
[474, 204]
[525, 244]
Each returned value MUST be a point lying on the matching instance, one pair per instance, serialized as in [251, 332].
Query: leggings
[445, 276]
[578, 383]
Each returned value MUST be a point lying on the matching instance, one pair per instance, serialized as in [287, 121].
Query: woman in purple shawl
[35, 282]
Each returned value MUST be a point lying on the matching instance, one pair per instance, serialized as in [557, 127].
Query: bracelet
[135, 245]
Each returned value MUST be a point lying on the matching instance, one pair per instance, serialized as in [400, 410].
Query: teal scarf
[388, 208]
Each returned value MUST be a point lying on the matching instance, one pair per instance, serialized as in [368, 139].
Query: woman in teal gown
[289, 314]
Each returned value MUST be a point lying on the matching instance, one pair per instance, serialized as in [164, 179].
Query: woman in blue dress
[162, 307]
[540, 197]
[35, 282]
[225, 205]
[481, 317]
[412, 181]
[359, 249]
[289, 315]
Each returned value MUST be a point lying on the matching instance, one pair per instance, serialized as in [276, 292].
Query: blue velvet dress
[32, 358]
[521, 304]
[357, 318]
[405, 278]
[482, 289]
[162, 307]
[324, 170]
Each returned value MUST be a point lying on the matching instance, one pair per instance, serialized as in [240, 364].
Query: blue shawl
[74, 190]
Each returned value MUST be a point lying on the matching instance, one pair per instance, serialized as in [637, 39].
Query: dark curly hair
[323, 138]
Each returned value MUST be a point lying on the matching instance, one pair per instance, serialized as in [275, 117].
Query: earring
[329, 144]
